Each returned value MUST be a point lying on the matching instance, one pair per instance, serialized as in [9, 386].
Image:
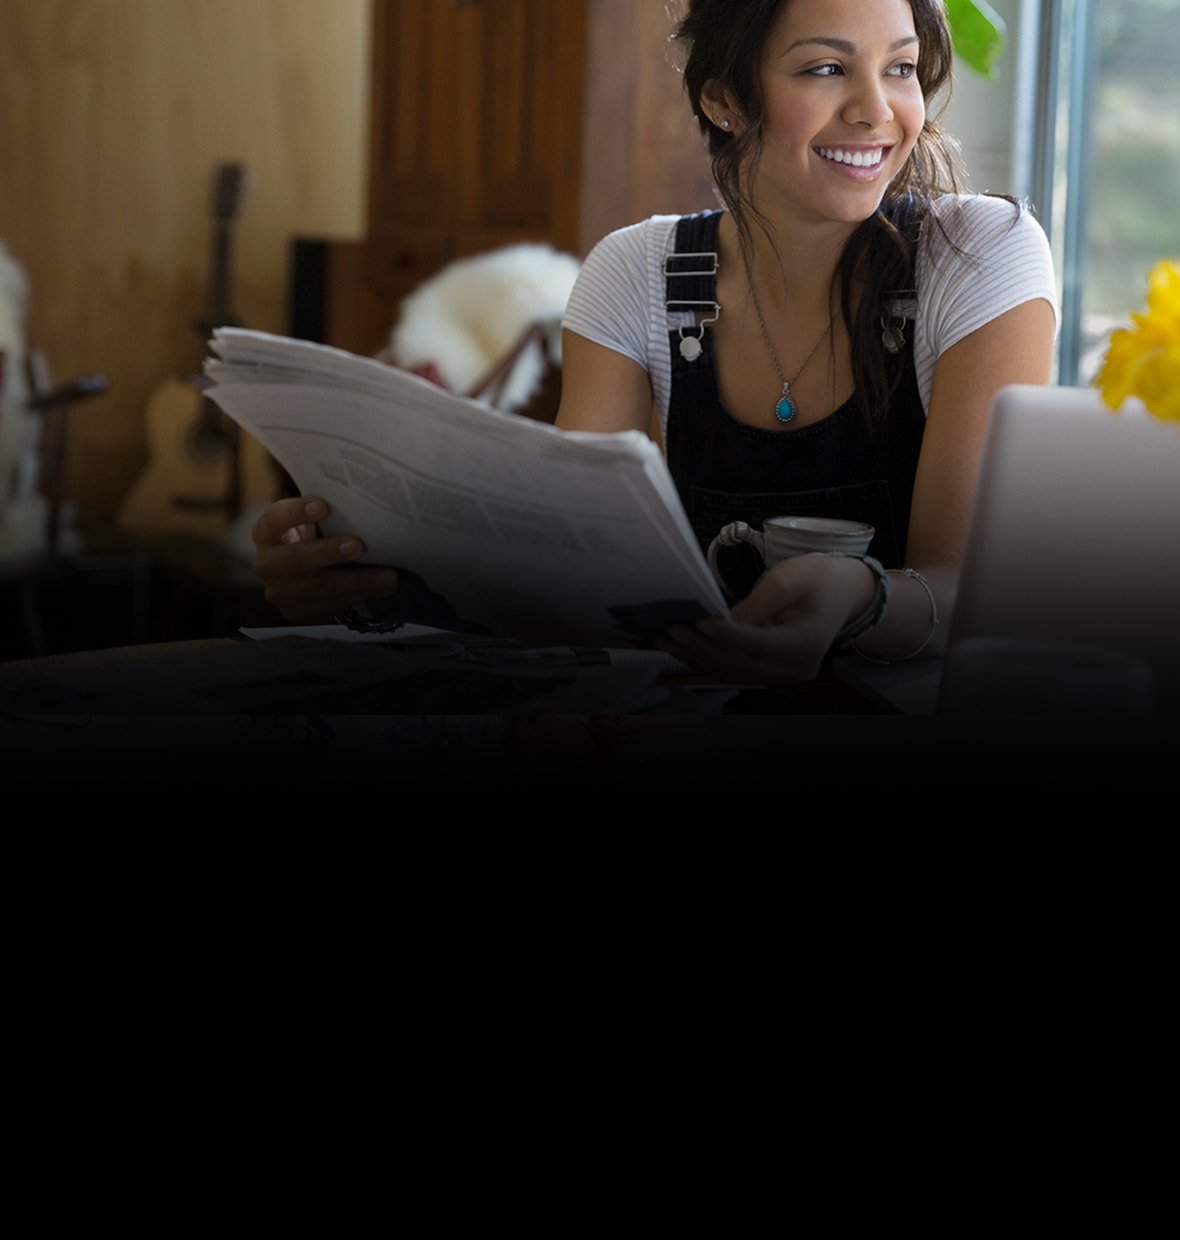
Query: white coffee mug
[784, 537]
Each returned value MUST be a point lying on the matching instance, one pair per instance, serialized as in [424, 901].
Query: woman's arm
[780, 634]
[1016, 347]
[601, 390]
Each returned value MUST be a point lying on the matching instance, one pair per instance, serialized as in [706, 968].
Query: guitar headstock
[230, 183]
[229, 188]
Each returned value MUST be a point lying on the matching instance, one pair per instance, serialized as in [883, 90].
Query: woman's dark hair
[724, 42]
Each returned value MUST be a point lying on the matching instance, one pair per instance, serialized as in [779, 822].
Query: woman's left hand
[781, 632]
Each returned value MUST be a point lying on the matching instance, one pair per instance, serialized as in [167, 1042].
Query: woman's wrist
[915, 623]
[931, 629]
[869, 610]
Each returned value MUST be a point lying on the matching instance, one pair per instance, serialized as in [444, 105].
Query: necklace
[785, 408]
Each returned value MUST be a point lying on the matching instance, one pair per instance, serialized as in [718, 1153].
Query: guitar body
[182, 490]
[203, 471]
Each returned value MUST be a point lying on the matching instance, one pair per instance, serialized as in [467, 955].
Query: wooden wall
[113, 114]
[497, 121]
[642, 152]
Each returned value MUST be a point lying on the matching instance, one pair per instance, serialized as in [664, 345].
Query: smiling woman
[827, 345]
[866, 315]
[776, 47]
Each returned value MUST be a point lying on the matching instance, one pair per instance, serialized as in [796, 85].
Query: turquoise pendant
[786, 409]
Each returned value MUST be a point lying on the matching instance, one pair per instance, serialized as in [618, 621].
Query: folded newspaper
[526, 530]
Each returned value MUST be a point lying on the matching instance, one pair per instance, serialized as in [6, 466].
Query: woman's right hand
[309, 579]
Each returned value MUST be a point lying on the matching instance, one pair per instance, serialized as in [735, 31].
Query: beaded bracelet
[875, 612]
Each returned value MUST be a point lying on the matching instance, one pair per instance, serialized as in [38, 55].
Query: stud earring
[725, 124]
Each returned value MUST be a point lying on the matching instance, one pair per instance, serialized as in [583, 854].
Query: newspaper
[526, 530]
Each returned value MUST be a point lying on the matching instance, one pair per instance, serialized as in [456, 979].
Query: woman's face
[843, 108]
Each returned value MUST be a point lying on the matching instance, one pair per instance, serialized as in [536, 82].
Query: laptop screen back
[1075, 530]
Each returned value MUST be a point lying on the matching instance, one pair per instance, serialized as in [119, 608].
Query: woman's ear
[717, 104]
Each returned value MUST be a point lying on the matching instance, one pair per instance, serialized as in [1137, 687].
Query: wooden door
[496, 121]
[476, 131]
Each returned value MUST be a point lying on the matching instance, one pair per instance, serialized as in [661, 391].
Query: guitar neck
[219, 276]
[228, 187]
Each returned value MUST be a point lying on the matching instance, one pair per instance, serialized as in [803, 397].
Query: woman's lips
[861, 163]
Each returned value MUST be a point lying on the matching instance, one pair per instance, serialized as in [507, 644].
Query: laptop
[1074, 539]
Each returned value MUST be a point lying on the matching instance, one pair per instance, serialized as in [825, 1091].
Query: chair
[489, 327]
[32, 489]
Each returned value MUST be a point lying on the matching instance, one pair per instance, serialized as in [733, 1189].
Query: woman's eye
[905, 70]
[825, 70]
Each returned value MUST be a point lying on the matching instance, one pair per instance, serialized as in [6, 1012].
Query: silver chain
[785, 398]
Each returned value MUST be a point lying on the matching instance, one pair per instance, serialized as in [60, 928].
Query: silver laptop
[1074, 538]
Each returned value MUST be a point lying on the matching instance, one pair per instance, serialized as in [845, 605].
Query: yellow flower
[1145, 361]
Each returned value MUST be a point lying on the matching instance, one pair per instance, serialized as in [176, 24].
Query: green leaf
[978, 31]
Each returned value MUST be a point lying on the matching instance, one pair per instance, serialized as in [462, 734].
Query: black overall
[727, 471]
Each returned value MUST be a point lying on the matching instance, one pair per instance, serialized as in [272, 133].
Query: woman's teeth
[858, 159]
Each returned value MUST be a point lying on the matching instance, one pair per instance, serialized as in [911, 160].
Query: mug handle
[735, 533]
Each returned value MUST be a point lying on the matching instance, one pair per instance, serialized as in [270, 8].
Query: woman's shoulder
[628, 264]
[614, 299]
[637, 243]
[978, 256]
[978, 225]
[621, 265]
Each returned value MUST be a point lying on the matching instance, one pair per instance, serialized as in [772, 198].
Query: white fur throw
[470, 316]
[22, 508]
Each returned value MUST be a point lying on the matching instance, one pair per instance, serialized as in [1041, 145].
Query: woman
[865, 317]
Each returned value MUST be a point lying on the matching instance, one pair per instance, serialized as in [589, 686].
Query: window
[1104, 168]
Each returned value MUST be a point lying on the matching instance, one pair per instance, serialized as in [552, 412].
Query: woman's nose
[869, 104]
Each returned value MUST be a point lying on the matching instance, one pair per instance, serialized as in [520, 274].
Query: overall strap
[690, 277]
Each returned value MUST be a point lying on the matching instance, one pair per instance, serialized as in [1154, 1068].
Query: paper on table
[617, 656]
[339, 633]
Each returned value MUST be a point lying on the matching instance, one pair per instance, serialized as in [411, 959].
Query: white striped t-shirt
[1002, 260]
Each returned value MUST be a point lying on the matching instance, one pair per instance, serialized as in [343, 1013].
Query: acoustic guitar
[202, 470]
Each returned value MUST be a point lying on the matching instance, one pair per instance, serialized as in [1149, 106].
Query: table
[53, 718]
